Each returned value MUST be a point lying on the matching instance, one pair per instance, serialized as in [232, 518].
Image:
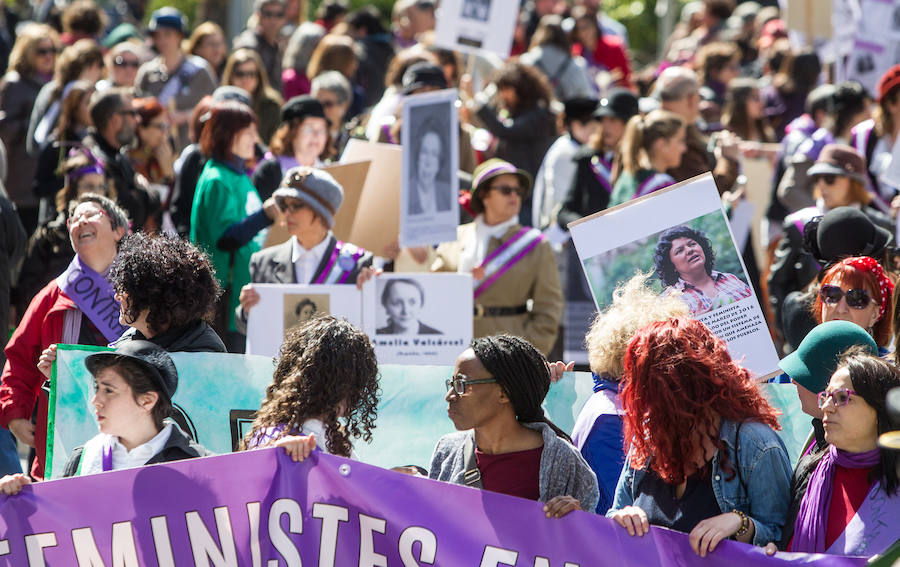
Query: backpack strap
[472, 476]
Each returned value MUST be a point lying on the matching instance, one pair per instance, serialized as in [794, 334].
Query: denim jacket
[764, 467]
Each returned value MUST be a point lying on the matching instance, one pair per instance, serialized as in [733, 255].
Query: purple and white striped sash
[653, 183]
[341, 264]
[505, 257]
[601, 170]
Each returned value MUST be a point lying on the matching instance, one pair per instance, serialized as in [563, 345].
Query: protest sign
[702, 265]
[282, 306]
[218, 394]
[759, 172]
[476, 25]
[418, 318]
[323, 511]
[874, 40]
[429, 205]
[376, 223]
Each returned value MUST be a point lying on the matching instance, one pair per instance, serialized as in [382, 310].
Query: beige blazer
[534, 277]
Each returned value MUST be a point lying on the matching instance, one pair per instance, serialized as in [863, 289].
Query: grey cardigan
[564, 472]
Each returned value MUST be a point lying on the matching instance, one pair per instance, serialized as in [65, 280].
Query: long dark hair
[531, 86]
[523, 374]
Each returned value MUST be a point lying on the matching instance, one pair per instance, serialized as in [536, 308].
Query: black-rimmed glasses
[459, 382]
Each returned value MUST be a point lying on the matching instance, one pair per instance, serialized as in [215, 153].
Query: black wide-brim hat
[153, 358]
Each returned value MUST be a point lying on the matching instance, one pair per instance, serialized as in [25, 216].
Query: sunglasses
[120, 61]
[245, 74]
[856, 298]
[839, 397]
[458, 383]
[272, 15]
[508, 189]
[828, 178]
[292, 206]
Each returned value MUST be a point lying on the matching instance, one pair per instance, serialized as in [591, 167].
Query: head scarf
[885, 286]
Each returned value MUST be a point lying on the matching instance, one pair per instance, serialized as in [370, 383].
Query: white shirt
[475, 250]
[318, 428]
[551, 185]
[122, 458]
[306, 261]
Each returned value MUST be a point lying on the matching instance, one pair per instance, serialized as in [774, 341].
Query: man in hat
[553, 179]
[308, 199]
[177, 80]
[264, 37]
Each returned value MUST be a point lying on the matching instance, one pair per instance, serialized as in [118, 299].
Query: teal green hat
[816, 359]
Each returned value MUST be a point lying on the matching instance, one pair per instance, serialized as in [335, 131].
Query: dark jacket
[799, 481]
[587, 195]
[47, 254]
[177, 448]
[196, 337]
[522, 141]
[17, 96]
[267, 177]
[12, 238]
[375, 53]
[139, 202]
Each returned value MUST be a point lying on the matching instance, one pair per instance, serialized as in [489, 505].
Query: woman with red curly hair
[703, 456]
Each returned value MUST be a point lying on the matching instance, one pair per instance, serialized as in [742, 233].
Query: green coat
[224, 197]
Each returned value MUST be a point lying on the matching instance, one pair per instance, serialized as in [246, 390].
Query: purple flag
[249, 508]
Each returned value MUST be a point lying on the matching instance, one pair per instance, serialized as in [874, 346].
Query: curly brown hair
[531, 86]
[326, 369]
[169, 277]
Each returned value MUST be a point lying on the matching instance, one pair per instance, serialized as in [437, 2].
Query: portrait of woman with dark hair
[684, 261]
[403, 299]
[305, 310]
[430, 190]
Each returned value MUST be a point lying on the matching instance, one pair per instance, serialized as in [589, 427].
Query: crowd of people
[143, 167]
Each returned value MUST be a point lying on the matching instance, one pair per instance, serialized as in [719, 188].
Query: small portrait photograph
[300, 308]
[430, 191]
[402, 300]
[476, 10]
[696, 259]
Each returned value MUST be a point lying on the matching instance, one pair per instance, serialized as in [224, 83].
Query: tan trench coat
[533, 277]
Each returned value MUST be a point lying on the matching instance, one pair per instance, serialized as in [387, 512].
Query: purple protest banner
[259, 508]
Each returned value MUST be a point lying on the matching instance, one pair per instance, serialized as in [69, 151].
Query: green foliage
[187, 7]
[609, 270]
[639, 18]
[384, 6]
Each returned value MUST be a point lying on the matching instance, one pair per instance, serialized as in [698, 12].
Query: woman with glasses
[301, 140]
[31, 64]
[228, 217]
[122, 64]
[703, 456]
[511, 265]
[857, 290]
[504, 442]
[244, 69]
[152, 155]
[308, 200]
[845, 499]
[78, 307]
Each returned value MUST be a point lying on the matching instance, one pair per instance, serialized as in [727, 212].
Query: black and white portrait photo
[430, 189]
[402, 300]
[418, 318]
[429, 210]
[299, 309]
[476, 10]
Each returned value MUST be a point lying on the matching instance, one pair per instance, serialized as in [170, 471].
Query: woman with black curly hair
[684, 261]
[168, 292]
[325, 389]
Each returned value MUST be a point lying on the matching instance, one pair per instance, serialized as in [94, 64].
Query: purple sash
[874, 527]
[653, 183]
[94, 296]
[601, 170]
[107, 458]
[340, 264]
[505, 257]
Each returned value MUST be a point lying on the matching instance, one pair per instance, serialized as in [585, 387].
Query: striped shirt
[729, 288]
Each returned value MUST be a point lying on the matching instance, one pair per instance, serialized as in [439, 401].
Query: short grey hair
[334, 82]
[301, 46]
[117, 215]
[675, 83]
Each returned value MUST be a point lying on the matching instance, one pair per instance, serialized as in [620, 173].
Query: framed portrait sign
[283, 306]
[418, 318]
[429, 204]
[682, 236]
[477, 25]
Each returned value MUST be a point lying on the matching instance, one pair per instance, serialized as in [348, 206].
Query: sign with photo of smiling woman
[418, 318]
[682, 236]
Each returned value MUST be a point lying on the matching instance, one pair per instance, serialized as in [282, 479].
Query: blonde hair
[857, 193]
[201, 32]
[642, 132]
[634, 306]
[28, 38]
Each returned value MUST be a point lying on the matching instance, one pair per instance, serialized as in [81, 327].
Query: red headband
[867, 264]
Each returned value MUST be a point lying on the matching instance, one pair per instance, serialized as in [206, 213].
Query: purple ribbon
[94, 296]
[107, 458]
[484, 285]
[602, 176]
[809, 527]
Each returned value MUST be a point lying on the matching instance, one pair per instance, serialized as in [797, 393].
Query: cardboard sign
[376, 223]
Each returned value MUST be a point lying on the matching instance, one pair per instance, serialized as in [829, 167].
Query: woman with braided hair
[702, 454]
[496, 391]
